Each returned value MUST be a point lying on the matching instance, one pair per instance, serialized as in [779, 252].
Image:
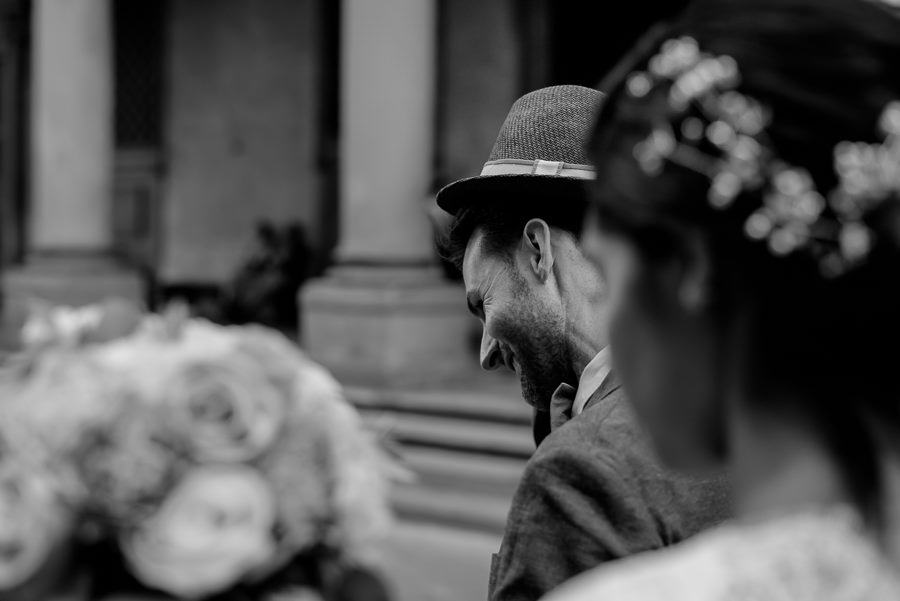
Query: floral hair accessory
[720, 133]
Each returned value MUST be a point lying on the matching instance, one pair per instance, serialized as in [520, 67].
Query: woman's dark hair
[825, 69]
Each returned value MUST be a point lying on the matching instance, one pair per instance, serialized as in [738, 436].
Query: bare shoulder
[821, 556]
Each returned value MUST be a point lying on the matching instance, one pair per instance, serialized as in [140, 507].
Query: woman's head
[746, 290]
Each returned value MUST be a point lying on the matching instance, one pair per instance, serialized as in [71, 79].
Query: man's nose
[491, 358]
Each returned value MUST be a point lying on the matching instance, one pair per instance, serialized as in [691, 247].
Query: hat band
[537, 167]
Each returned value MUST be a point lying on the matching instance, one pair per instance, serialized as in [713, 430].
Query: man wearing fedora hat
[592, 492]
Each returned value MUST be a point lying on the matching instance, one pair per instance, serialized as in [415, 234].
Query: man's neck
[585, 317]
[582, 350]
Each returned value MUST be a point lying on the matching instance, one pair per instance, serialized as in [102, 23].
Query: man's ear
[538, 249]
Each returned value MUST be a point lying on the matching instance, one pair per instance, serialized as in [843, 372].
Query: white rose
[213, 530]
[361, 471]
[227, 409]
[34, 524]
[130, 467]
[61, 402]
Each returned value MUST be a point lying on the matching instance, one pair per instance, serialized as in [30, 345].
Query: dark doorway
[14, 45]
[328, 134]
[139, 28]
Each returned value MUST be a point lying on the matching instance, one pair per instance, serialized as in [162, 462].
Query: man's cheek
[501, 328]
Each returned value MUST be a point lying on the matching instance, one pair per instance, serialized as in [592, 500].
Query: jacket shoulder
[608, 445]
[606, 427]
[589, 494]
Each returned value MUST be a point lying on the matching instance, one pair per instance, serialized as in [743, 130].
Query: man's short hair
[503, 223]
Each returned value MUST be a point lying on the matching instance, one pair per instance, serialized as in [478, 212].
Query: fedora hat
[540, 152]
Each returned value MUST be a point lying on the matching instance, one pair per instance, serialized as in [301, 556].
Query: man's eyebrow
[473, 300]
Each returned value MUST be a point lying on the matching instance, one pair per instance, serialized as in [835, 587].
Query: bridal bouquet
[205, 457]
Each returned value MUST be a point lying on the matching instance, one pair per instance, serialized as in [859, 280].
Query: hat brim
[513, 188]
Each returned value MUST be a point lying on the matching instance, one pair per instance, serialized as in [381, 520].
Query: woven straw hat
[539, 153]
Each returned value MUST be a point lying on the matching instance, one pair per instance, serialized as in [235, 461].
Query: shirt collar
[591, 379]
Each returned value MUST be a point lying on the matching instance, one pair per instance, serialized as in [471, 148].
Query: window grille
[139, 54]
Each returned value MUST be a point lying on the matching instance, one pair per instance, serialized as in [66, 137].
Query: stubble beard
[541, 352]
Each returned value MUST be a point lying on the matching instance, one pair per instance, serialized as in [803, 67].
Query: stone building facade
[157, 132]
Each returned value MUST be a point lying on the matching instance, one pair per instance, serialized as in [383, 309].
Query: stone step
[503, 407]
[493, 439]
[433, 562]
[486, 513]
[467, 450]
[441, 469]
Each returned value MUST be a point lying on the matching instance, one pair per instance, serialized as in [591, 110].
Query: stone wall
[241, 129]
[478, 80]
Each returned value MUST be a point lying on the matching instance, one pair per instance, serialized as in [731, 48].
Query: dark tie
[560, 412]
[540, 426]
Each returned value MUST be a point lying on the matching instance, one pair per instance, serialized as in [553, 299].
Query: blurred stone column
[384, 314]
[69, 234]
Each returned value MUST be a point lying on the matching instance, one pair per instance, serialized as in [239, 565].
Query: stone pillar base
[66, 281]
[388, 326]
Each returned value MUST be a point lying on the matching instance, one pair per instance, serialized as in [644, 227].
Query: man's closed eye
[476, 306]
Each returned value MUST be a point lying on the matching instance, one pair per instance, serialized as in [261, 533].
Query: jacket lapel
[609, 385]
[547, 421]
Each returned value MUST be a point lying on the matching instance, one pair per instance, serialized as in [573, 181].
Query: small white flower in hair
[722, 136]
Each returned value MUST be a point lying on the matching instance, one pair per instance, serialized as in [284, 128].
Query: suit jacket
[594, 492]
